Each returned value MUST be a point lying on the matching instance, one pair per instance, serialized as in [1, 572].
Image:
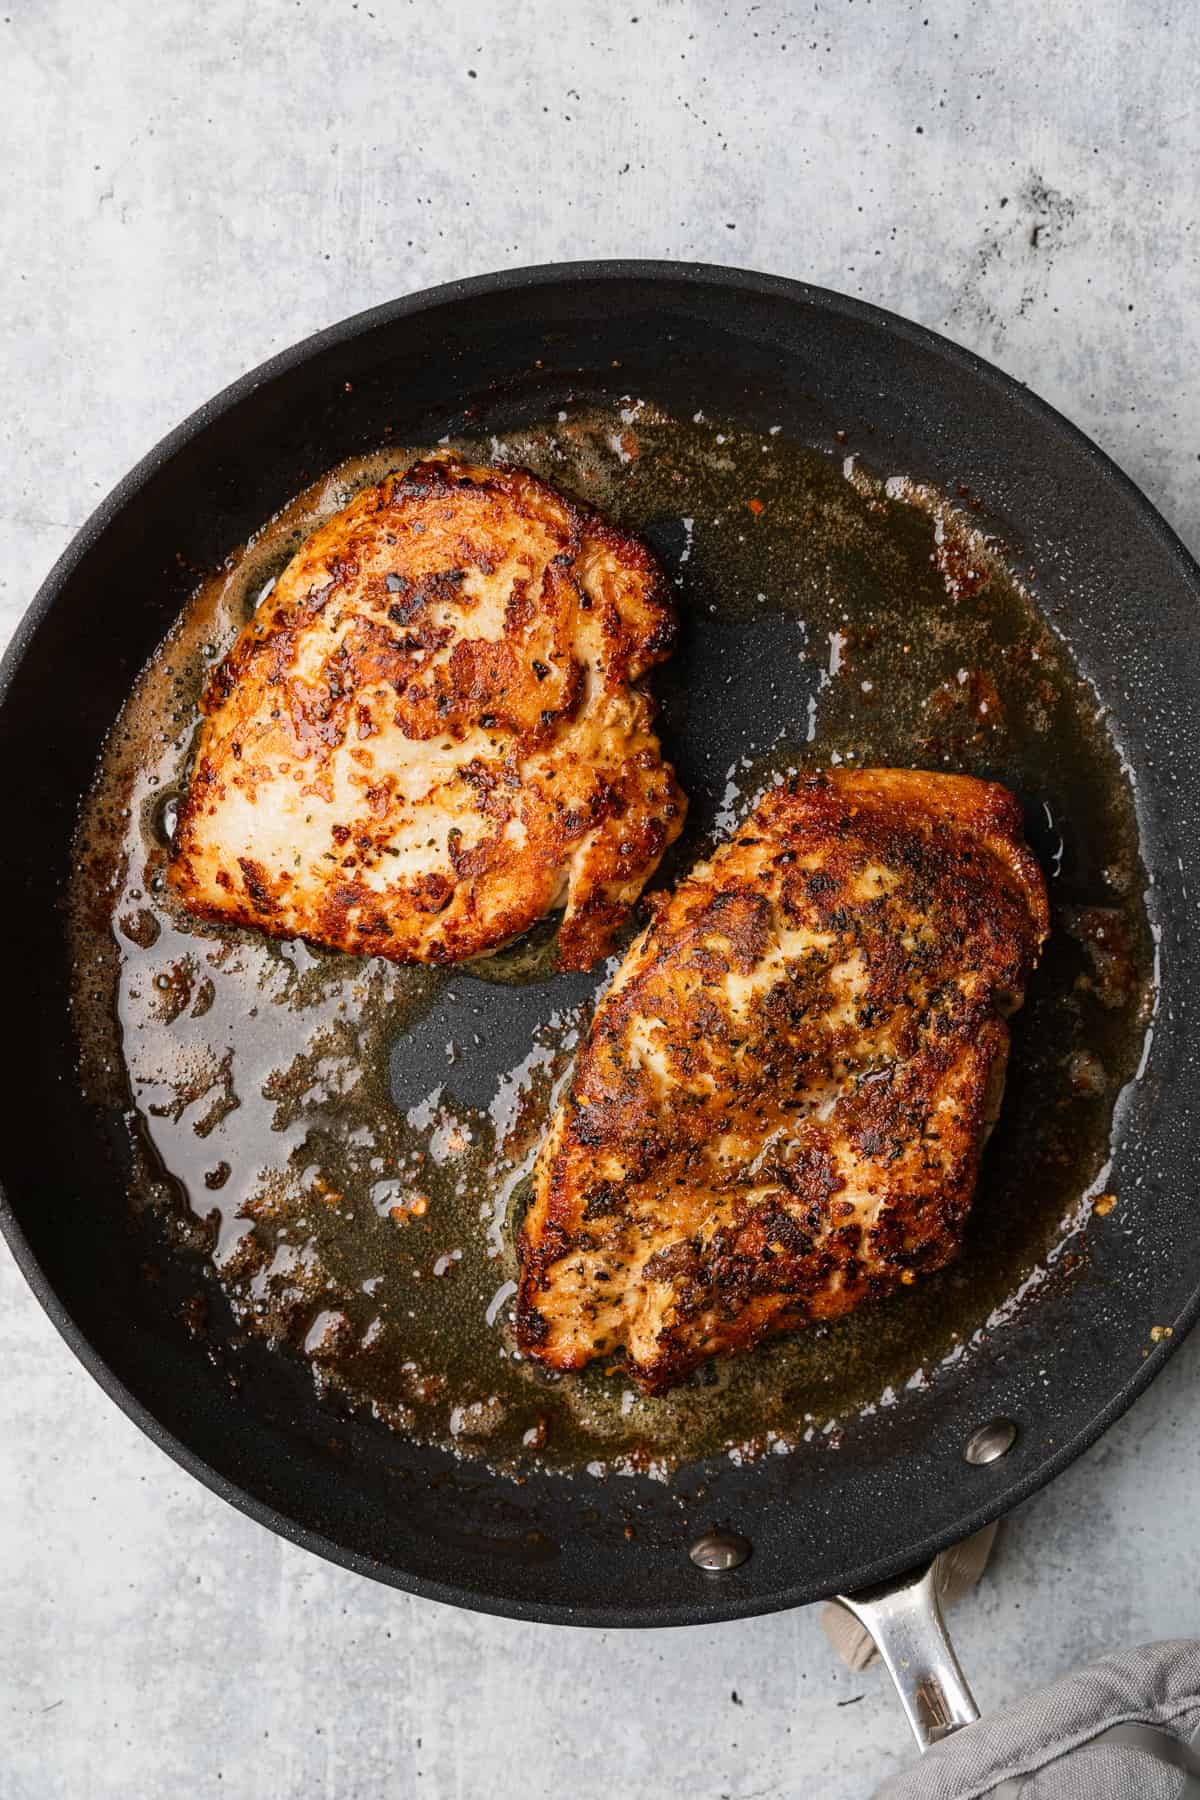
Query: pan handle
[904, 1617]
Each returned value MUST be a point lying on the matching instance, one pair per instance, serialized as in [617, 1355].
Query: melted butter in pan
[348, 1144]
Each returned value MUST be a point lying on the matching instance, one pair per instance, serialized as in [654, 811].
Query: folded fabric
[1121, 1729]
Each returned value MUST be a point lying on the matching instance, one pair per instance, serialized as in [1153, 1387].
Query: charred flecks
[257, 885]
[414, 595]
[432, 893]
[535, 1328]
[782, 1229]
[661, 641]
[680, 1262]
[603, 1200]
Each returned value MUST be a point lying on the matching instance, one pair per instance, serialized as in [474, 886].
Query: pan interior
[344, 1144]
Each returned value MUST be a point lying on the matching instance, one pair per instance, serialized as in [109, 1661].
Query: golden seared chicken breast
[431, 733]
[779, 1111]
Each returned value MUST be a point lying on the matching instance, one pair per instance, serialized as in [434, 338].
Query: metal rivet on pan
[719, 1552]
[990, 1442]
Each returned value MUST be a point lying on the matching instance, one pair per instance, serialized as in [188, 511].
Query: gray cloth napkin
[1120, 1729]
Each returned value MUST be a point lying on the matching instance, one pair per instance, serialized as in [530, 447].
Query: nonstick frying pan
[630, 1551]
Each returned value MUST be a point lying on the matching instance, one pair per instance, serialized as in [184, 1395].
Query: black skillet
[1115, 582]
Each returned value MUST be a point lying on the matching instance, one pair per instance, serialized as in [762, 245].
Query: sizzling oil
[279, 1100]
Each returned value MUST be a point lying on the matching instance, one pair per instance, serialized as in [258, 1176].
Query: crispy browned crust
[780, 1108]
[431, 732]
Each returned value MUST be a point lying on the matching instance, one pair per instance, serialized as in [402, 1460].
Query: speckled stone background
[190, 188]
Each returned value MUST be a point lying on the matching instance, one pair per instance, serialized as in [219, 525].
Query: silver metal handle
[904, 1618]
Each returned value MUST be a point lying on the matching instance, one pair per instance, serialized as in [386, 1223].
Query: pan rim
[716, 1603]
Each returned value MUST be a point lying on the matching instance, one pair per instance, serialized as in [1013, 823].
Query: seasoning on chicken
[431, 733]
[779, 1111]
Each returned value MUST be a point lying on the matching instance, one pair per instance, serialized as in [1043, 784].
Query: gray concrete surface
[188, 189]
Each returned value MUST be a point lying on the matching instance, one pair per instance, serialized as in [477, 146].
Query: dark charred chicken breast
[779, 1111]
[431, 733]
